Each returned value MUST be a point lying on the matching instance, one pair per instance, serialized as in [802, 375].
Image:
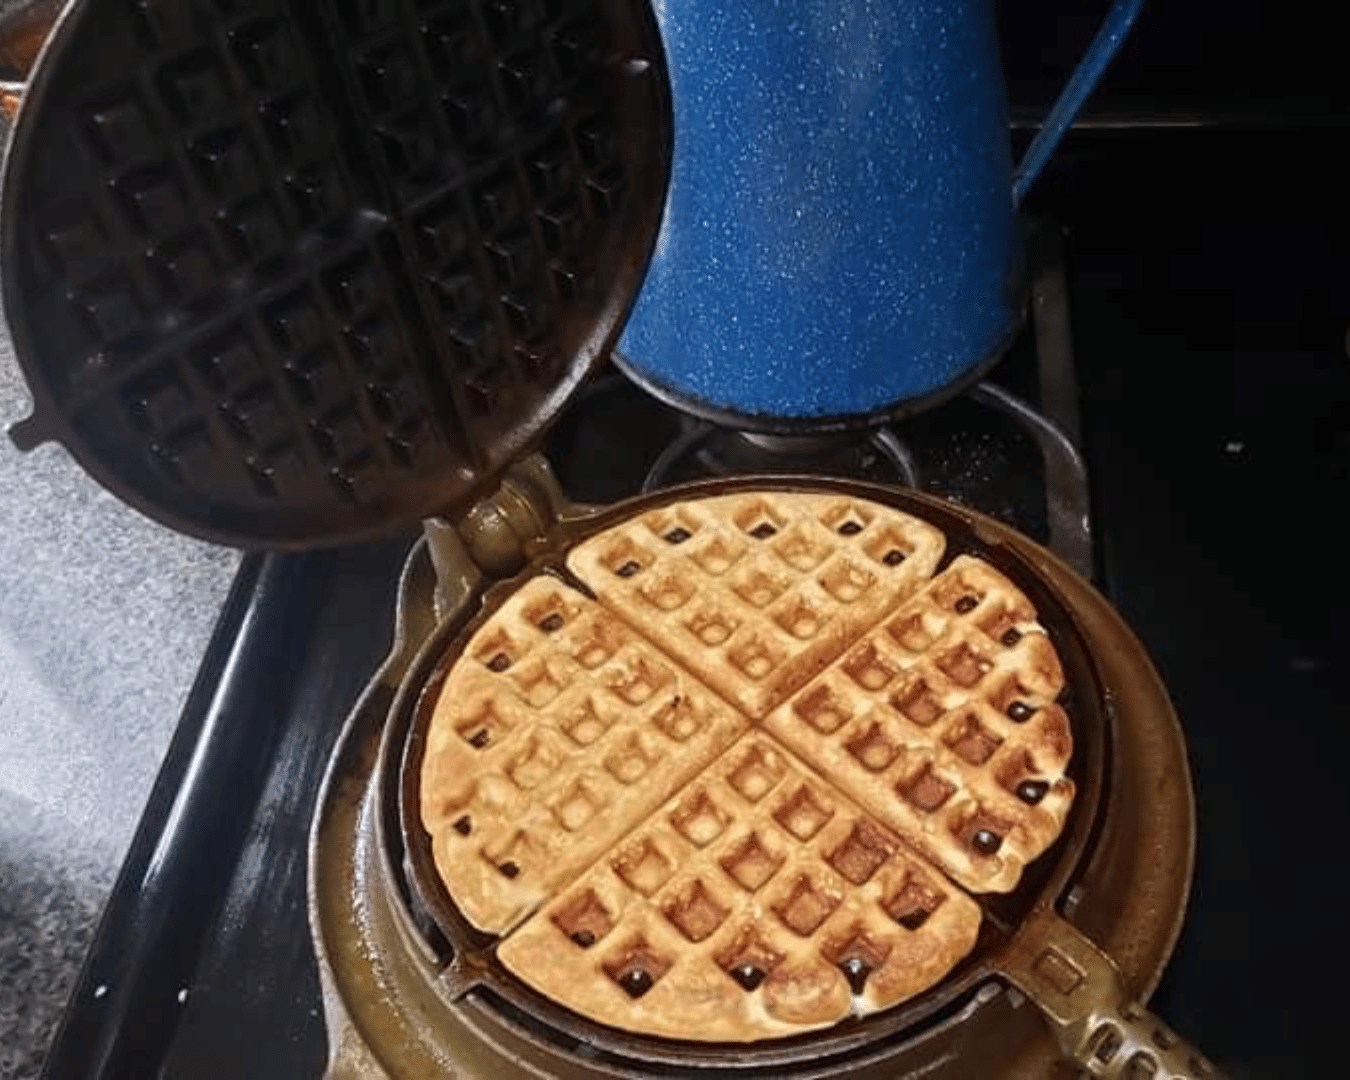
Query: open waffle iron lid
[292, 272]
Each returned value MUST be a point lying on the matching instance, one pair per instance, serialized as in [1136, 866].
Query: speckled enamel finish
[839, 233]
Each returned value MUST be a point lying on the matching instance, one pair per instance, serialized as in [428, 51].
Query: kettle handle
[1081, 84]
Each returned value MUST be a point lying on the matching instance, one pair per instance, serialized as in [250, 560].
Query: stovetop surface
[1216, 406]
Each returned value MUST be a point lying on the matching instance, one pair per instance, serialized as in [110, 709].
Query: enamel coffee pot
[840, 241]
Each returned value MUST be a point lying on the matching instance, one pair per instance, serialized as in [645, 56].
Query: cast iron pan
[288, 272]
[1023, 940]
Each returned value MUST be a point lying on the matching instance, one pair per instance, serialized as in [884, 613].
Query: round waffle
[739, 787]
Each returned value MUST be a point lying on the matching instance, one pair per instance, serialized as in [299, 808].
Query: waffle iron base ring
[393, 1010]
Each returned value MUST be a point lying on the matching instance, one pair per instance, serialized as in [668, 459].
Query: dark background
[1211, 277]
[1243, 55]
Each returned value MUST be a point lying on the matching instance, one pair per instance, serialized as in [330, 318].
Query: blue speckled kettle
[840, 241]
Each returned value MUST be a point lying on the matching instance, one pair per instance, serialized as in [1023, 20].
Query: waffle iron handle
[1079, 990]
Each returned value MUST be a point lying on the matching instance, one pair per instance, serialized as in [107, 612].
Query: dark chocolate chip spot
[1020, 711]
[966, 605]
[509, 869]
[499, 663]
[1032, 791]
[894, 557]
[636, 982]
[553, 622]
[856, 970]
[850, 528]
[480, 738]
[464, 825]
[747, 975]
[628, 569]
[677, 535]
[1011, 636]
[584, 938]
[763, 531]
[986, 842]
[912, 920]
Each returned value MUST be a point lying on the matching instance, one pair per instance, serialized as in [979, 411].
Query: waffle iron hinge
[499, 534]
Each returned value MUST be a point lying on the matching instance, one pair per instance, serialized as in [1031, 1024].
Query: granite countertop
[104, 616]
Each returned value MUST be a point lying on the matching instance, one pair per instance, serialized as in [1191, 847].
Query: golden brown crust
[533, 770]
[595, 793]
[936, 720]
[754, 932]
[756, 593]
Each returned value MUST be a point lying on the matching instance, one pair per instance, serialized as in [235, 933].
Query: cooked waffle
[758, 902]
[556, 731]
[755, 593]
[596, 796]
[942, 722]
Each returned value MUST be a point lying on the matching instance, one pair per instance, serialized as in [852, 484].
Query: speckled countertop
[104, 616]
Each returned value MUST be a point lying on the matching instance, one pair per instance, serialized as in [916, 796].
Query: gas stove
[1212, 380]
[990, 448]
[206, 934]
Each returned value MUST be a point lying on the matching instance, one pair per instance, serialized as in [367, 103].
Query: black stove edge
[124, 1006]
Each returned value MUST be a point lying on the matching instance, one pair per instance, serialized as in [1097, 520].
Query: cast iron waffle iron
[413, 988]
[291, 273]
